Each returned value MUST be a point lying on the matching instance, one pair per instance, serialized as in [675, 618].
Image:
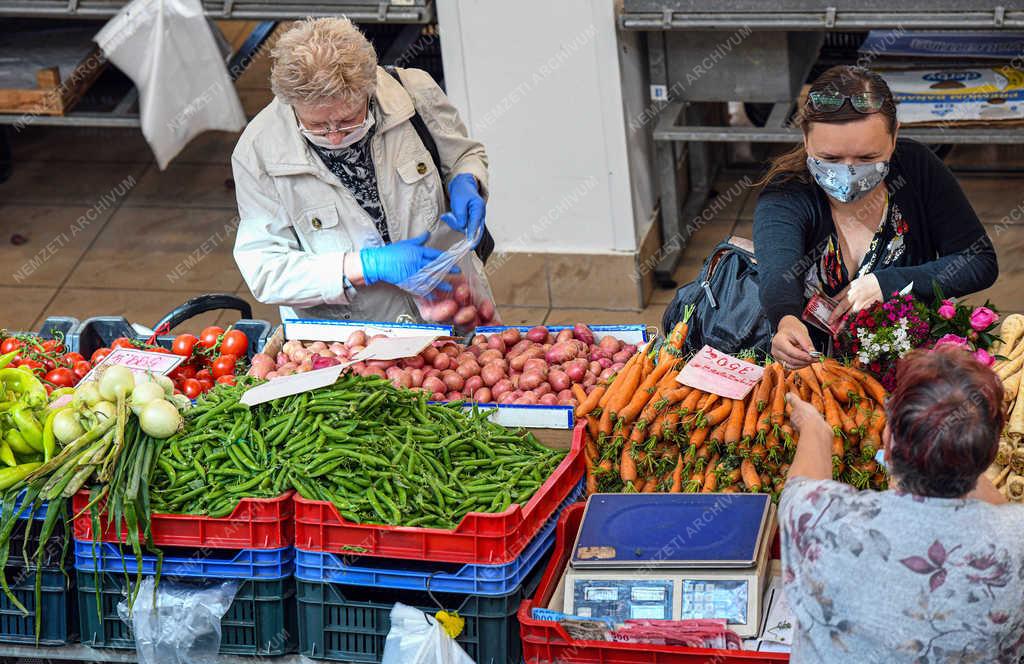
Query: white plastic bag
[168, 49]
[179, 624]
[416, 638]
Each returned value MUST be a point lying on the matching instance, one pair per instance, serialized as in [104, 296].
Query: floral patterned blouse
[893, 577]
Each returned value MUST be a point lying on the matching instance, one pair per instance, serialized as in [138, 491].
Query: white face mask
[351, 138]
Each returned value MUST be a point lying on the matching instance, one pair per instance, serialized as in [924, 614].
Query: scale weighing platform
[672, 557]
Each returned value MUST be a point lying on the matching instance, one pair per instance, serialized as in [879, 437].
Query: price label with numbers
[713, 371]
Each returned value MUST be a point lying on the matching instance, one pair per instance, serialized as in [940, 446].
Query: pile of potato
[1007, 473]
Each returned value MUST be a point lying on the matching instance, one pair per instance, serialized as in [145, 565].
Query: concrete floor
[96, 253]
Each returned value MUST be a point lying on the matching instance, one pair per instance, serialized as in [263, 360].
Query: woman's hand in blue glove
[396, 262]
[467, 205]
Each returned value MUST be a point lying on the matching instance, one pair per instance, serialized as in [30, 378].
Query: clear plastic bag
[179, 624]
[416, 638]
[463, 300]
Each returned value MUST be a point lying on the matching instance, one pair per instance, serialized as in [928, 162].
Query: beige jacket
[297, 221]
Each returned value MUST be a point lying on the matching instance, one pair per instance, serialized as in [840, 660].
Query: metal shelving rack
[680, 128]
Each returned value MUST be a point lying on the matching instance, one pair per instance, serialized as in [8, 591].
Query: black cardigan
[945, 241]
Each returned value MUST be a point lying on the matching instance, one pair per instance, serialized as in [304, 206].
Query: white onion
[160, 419]
[66, 426]
[116, 381]
[88, 394]
[143, 394]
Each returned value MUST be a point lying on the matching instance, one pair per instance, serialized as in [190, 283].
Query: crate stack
[57, 605]
[252, 546]
[348, 576]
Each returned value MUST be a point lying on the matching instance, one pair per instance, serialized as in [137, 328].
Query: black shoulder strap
[486, 246]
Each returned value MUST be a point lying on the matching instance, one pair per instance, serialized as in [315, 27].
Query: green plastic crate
[260, 621]
[350, 623]
[58, 609]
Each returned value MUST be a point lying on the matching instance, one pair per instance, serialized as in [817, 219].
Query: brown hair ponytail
[842, 80]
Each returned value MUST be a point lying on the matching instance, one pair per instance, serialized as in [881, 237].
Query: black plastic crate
[100, 331]
[24, 541]
[58, 609]
[350, 623]
[260, 621]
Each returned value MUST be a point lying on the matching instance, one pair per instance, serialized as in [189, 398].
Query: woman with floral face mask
[856, 214]
[338, 191]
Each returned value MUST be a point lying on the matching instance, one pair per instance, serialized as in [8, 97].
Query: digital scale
[672, 557]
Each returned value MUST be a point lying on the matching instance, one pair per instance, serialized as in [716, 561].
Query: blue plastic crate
[38, 514]
[192, 563]
[491, 580]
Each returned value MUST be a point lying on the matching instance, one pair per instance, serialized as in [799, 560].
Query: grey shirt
[893, 577]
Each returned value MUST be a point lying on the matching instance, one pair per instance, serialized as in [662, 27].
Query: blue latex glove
[467, 205]
[396, 262]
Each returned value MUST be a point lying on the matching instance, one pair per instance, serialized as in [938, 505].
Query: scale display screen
[622, 599]
[714, 599]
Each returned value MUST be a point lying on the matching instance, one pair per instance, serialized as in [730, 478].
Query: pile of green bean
[381, 454]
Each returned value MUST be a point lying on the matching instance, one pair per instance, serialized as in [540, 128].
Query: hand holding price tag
[713, 371]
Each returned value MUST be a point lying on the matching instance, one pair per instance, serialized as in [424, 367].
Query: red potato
[438, 396]
[374, 371]
[594, 367]
[403, 379]
[583, 333]
[337, 347]
[487, 311]
[561, 352]
[566, 398]
[442, 361]
[530, 380]
[543, 388]
[465, 316]
[434, 384]
[501, 387]
[511, 336]
[563, 335]
[519, 361]
[355, 349]
[605, 362]
[298, 355]
[589, 380]
[357, 338]
[491, 374]
[478, 340]
[291, 346]
[609, 344]
[548, 399]
[454, 395]
[468, 356]
[463, 295]
[443, 311]
[451, 350]
[538, 334]
[483, 395]
[618, 365]
[452, 380]
[470, 368]
[416, 376]
[559, 380]
[490, 355]
[380, 364]
[527, 399]
[536, 364]
[519, 347]
[431, 372]
[475, 351]
[414, 362]
[495, 342]
[281, 359]
[428, 354]
[622, 356]
[506, 397]
[473, 383]
[576, 369]
[317, 346]
[606, 373]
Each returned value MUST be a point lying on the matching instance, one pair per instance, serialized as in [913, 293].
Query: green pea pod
[11, 476]
[28, 426]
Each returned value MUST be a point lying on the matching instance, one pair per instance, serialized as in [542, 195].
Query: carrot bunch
[648, 433]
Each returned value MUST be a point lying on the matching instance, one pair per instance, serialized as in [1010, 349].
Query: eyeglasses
[332, 130]
[862, 102]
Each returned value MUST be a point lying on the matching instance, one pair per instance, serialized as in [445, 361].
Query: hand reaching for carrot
[814, 452]
[807, 420]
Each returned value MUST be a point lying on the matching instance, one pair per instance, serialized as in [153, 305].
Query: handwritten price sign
[139, 361]
[713, 371]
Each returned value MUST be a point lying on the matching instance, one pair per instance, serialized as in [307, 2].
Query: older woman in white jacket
[337, 195]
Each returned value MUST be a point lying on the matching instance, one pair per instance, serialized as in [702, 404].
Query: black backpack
[727, 308]
[486, 245]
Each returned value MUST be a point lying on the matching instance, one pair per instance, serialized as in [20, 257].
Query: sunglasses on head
[862, 102]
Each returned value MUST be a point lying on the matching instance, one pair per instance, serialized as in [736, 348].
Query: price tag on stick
[139, 361]
[713, 371]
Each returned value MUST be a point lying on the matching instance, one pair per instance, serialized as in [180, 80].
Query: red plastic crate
[480, 539]
[547, 642]
[256, 523]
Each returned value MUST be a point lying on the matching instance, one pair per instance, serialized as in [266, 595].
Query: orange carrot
[589, 402]
[778, 410]
[764, 388]
[677, 475]
[625, 392]
[591, 479]
[817, 402]
[720, 413]
[604, 426]
[832, 410]
[717, 434]
[627, 465]
[809, 378]
[592, 426]
[710, 476]
[735, 427]
[691, 401]
[618, 381]
[645, 393]
[651, 486]
[750, 477]
[750, 420]
[848, 423]
[837, 446]
[579, 393]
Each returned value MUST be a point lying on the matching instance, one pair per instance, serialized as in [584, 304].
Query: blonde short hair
[323, 60]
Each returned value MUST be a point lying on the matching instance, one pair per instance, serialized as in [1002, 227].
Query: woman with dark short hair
[931, 570]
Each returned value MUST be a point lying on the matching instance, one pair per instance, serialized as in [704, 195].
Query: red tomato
[122, 342]
[71, 358]
[161, 350]
[224, 365]
[234, 343]
[81, 368]
[49, 364]
[52, 346]
[183, 344]
[227, 380]
[204, 374]
[209, 336]
[10, 344]
[183, 372]
[31, 364]
[61, 377]
[207, 385]
[98, 355]
[192, 388]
